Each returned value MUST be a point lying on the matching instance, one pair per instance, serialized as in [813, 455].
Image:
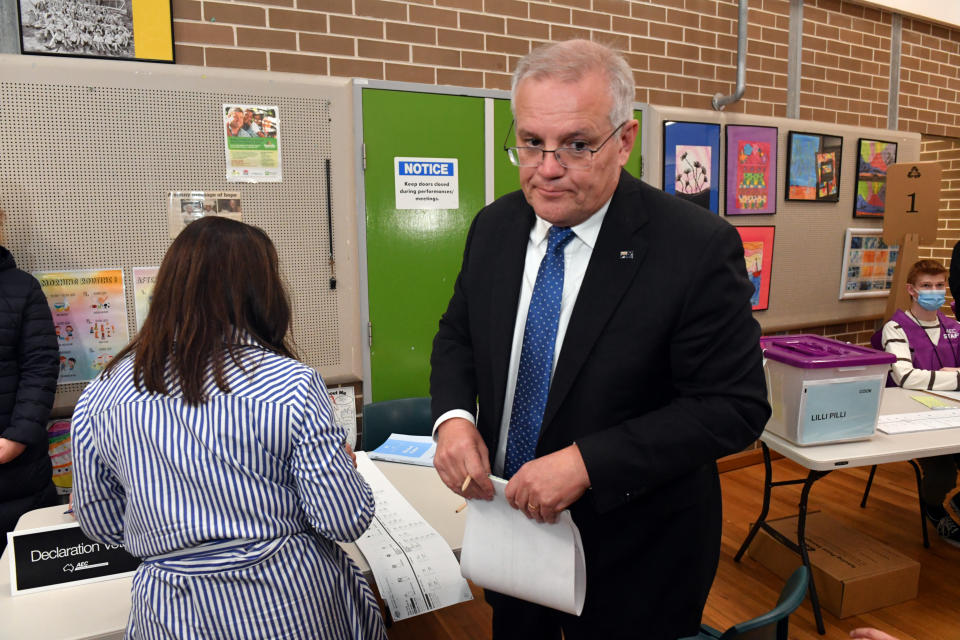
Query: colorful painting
[751, 186]
[868, 264]
[691, 170]
[758, 255]
[873, 159]
[813, 167]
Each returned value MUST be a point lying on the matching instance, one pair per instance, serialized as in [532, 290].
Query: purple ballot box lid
[816, 352]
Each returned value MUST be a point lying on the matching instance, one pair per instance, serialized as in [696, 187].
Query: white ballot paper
[919, 421]
[413, 565]
[507, 552]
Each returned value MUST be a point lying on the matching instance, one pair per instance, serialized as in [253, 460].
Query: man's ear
[627, 137]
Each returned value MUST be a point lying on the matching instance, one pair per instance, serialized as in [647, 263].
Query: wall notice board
[96, 146]
[809, 236]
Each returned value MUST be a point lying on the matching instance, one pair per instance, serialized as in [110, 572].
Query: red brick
[411, 33]
[356, 68]
[186, 54]
[202, 32]
[383, 50]
[298, 20]
[381, 9]
[484, 23]
[432, 16]
[298, 63]
[230, 13]
[410, 73]
[327, 44]
[187, 10]
[356, 27]
[266, 39]
[436, 56]
[460, 39]
[236, 58]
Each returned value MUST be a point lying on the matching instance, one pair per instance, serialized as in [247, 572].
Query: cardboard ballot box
[853, 572]
[823, 390]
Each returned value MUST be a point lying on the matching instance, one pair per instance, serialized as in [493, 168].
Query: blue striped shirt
[224, 486]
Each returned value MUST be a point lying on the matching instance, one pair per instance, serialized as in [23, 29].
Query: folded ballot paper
[507, 552]
[407, 449]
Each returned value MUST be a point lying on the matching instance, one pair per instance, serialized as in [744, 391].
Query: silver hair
[569, 61]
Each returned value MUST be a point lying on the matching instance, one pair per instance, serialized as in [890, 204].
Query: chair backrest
[773, 624]
[876, 341]
[410, 416]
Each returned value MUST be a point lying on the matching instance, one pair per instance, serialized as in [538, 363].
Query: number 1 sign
[913, 201]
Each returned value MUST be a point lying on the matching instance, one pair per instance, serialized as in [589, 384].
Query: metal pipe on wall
[720, 100]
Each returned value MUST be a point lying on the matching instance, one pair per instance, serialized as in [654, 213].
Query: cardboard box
[853, 572]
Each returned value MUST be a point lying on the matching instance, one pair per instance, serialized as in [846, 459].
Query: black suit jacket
[659, 374]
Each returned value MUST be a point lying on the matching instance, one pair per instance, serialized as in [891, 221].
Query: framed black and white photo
[118, 29]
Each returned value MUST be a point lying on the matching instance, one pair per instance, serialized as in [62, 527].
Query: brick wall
[682, 52]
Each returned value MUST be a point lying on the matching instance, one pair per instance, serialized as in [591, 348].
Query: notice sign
[426, 183]
[61, 556]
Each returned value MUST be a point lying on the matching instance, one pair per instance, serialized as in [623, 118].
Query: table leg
[923, 508]
[866, 490]
[762, 518]
[812, 477]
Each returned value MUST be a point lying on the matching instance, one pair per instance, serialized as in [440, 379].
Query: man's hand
[545, 486]
[869, 633]
[10, 449]
[461, 452]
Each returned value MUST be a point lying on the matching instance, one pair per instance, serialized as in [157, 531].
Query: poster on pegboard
[89, 317]
[61, 456]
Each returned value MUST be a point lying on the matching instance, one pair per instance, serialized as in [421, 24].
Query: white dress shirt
[576, 257]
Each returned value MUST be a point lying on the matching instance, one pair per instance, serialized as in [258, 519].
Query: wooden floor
[746, 589]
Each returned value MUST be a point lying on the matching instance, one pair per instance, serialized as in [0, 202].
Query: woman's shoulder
[272, 375]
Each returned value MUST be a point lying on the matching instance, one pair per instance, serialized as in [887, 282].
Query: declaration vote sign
[426, 183]
[62, 556]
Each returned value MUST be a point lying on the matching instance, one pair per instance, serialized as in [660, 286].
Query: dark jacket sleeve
[719, 403]
[38, 356]
[452, 367]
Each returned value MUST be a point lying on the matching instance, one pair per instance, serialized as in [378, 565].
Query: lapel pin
[626, 255]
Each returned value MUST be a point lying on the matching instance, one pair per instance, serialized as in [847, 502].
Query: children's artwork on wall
[691, 162]
[758, 255]
[751, 186]
[868, 264]
[870, 194]
[813, 167]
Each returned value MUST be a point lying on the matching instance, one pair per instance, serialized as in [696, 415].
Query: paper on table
[406, 449]
[413, 565]
[920, 421]
[932, 402]
[507, 552]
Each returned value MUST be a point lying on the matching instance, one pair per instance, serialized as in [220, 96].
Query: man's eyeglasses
[575, 157]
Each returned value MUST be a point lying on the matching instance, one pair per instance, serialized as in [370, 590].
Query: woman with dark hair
[206, 449]
[29, 364]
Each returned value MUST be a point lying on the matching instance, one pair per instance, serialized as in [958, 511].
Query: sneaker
[934, 513]
[949, 531]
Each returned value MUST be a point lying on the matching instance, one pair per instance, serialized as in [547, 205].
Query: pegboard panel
[809, 236]
[86, 174]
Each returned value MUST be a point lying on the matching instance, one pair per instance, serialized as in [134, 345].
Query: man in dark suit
[613, 365]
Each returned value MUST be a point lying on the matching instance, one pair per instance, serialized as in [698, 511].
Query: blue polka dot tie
[536, 354]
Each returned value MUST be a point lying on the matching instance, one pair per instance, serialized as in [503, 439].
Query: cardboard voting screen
[912, 202]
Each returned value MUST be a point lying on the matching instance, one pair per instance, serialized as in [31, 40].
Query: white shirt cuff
[453, 413]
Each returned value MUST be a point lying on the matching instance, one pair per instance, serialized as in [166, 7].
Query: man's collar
[587, 231]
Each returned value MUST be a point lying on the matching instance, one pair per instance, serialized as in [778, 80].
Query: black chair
[771, 625]
[410, 416]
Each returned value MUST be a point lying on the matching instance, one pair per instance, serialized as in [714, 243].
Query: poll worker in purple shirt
[926, 343]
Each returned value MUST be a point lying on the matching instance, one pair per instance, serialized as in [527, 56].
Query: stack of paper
[507, 552]
[408, 449]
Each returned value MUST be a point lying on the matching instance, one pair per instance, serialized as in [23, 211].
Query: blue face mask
[931, 300]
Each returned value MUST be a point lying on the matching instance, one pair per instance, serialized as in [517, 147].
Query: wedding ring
[533, 507]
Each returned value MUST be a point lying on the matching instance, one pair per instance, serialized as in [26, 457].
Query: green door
[413, 255]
